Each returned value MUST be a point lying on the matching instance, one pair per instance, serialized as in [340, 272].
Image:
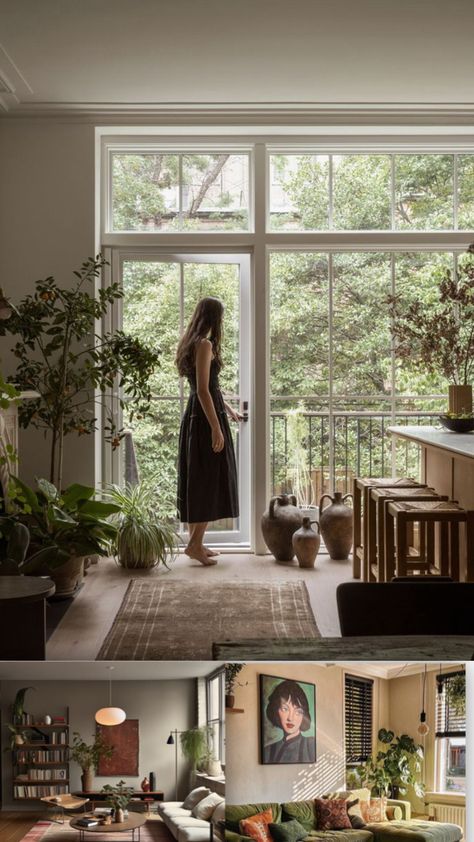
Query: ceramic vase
[279, 522]
[229, 700]
[87, 780]
[118, 815]
[335, 523]
[145, 784]
[306, 543]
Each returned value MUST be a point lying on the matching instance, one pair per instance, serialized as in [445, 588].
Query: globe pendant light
[110, 715]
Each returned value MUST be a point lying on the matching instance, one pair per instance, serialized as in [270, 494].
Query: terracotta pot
[306, 543]
[460, 399]
[87, 780]
[229, 700]
[118, 815]
[279, 523]
[68, 577]
[335, 523]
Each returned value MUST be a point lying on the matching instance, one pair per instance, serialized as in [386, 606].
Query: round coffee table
[134, 822]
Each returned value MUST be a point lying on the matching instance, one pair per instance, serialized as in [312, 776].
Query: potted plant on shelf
[88, 756]
[456, 693]
[118, 797]
[62, 358]
[441, 339]
[231, 673]
[143, 539]
[63, 529]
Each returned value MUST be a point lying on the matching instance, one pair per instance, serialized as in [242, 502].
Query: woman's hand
[232, 413]
[217, 439]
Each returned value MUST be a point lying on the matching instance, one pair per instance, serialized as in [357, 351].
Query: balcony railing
[338, 448]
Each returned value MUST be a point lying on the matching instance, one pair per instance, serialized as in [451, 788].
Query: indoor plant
[441, 339]
[143, 539]
[63, 529]
[61, 357]
[118, 797]
[231, 673]
[195, 744]
[298, 472]
[88, 756]
[395, 768]
[456, 693]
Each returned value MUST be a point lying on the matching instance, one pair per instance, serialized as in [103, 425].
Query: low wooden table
[134, 822]
[377, 648]
[23, 617]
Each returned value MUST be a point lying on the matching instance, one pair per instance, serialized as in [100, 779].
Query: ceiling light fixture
[110, 715]
[423, 727]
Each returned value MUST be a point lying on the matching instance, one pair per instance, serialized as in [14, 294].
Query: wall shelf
[234, 710]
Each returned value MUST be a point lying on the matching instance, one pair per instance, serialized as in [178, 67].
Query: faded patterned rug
[44, 831]
[172, 621]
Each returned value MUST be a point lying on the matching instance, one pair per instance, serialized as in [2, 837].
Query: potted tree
[88, 756]
[143, 539]
[118, 797]
[441, 339]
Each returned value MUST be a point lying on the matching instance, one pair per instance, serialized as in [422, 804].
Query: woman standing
[207, 476]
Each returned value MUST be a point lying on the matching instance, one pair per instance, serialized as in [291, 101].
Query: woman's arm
[232, 413]
[203, 368]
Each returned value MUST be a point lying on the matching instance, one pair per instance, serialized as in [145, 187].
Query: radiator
[451, 813]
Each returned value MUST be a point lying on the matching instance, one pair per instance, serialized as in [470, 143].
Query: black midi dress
[207, 481]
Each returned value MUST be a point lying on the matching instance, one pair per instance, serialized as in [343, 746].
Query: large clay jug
[335, 523]
[306, 543]
[278, 524]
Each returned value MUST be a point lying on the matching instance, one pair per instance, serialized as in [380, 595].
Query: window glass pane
[466, 191]
[361, 192]
[424, 192]
[215, 193]
[299, 192]
[452, 764]
[214, 694]
[145, 192]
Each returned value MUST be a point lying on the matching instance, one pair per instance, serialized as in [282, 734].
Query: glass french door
[160, 293]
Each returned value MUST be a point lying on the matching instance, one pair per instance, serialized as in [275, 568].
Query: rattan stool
[378, 500]
[360, 494]
[400, 561]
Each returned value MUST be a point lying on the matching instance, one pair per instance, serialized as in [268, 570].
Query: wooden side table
[23, 617]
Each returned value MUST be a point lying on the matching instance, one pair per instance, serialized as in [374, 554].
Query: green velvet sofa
[401, 829]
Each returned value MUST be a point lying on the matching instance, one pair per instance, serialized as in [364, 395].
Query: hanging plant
[456, 693]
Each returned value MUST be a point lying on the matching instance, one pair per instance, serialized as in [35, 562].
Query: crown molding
[412, 114]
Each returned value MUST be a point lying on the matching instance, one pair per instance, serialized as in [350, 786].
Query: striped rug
[152, 831]
[172, 621]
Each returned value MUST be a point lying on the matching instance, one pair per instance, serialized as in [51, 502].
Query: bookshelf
[40, 767]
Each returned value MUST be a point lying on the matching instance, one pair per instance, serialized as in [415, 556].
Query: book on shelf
[39, 791]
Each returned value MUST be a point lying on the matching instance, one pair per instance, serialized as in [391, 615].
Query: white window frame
[260, 142]
[220, 719]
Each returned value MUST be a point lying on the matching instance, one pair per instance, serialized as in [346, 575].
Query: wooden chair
[360, 491]
[443, 517]
[378, 499]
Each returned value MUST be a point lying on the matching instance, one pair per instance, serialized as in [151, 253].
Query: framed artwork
[124, 739]
[287, 720]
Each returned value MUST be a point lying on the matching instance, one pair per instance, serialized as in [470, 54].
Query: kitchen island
[447, 465]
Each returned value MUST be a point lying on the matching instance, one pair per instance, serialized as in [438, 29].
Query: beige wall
[46, 228]
[248, 780]
[160, 706]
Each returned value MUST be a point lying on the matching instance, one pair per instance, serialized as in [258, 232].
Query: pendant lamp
[423, 727]
[110, 715]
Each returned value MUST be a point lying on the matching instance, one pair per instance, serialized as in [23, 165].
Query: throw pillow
[374, 810]
[194, 797]
[332, 814]
[219, 813]
[257, 826]
[291, 831]
[205, 808]
[355, 817]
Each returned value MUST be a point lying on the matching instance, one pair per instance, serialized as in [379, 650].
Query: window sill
[455, 798]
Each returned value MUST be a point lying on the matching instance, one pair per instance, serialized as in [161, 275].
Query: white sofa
[182, 824]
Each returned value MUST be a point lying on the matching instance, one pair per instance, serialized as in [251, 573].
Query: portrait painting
[287, 720]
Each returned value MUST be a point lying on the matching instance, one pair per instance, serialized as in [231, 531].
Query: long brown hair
[206, 321]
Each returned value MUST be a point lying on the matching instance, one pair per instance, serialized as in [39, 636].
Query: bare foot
[210, 552]
[200, 554]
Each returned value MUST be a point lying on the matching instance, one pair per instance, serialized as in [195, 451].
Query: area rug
[172, 621]
[44, 831]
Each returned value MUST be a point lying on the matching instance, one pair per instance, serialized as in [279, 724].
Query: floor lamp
[173, 741]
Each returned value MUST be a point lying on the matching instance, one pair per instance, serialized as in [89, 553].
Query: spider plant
[144, 540]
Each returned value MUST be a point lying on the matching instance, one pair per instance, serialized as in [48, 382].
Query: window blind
[358, 696]
[451, 705]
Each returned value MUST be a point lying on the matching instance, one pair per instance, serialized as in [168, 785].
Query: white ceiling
[97, 670]
[148, 54]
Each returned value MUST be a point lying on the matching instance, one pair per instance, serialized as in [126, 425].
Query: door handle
[245, 410]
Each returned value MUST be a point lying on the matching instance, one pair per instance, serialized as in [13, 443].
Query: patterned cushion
[332, 814]
[234, 813]
[257, 826]
[374, 810]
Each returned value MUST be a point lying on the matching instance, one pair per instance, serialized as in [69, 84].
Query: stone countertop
[460, 444]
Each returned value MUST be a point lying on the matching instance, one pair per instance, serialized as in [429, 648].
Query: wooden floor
[81, 632]
[15, 825]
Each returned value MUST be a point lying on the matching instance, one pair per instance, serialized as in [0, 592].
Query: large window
[215, 686]
[358, 707]
[451, 732]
